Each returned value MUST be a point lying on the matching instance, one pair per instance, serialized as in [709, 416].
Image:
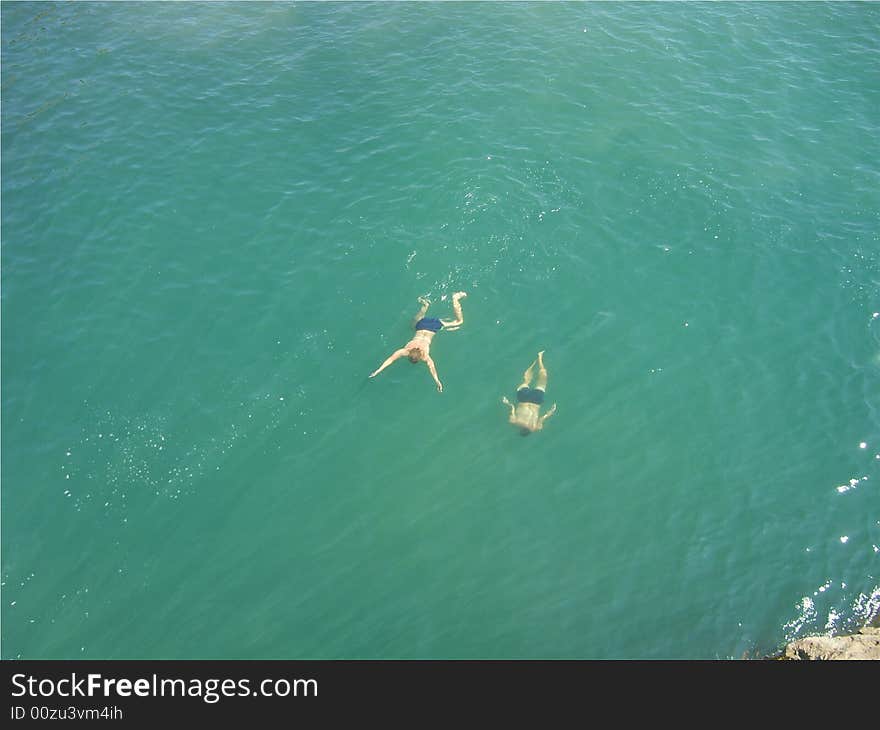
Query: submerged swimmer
[526, 413]
[419, 347]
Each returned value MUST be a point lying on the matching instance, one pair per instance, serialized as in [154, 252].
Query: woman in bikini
[419, 347]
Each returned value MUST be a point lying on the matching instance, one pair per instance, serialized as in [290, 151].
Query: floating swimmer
[419, 347]
[526, 413]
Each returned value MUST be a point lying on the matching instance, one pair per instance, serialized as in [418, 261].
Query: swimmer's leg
[527, 376]
[542, 373]
[456, 310]
[425, 304]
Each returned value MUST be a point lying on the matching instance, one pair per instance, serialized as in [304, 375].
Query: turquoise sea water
[217, 219]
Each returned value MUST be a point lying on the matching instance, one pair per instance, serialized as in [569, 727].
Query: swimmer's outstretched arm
[430, 363]
[512, 408]
[396, 356]
[548, 413]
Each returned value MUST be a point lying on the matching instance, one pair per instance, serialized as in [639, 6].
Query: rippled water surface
[217, 220]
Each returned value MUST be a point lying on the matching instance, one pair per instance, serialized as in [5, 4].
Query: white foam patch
[866, 606]
[807, 614]
[822, 588]
[833, 621]
[853, 483]
[120, 458]
[844, 614]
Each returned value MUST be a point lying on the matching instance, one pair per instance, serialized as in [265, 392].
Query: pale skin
[528, 416]
[419, 347]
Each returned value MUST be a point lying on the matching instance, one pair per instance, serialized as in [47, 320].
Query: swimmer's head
[523, 431]
[415, 355]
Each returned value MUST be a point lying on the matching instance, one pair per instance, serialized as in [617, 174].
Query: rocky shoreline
[864, 644]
